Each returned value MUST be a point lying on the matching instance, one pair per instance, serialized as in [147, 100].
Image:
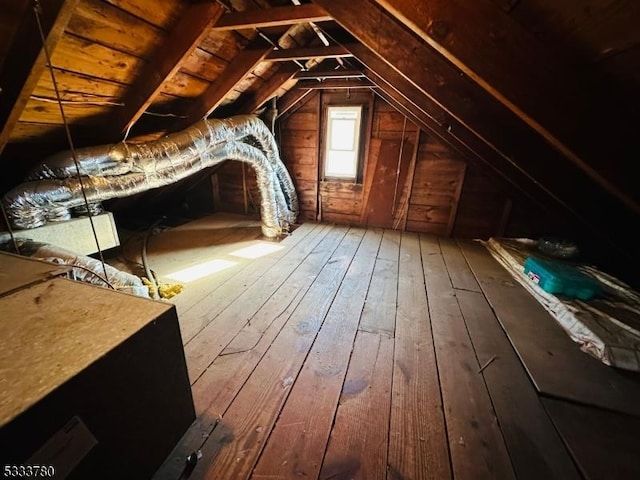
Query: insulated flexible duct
[85, 269]
[111, 171]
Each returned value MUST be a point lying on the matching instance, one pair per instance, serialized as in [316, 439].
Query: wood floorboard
[357, 353]
[223, 327]
[553, 361]
[461, 275]
[226, 290]
[232, 449]
[476, 443]
[358, 444]
[417, 436]
[296, 445]
[535, 448]
[214, 391]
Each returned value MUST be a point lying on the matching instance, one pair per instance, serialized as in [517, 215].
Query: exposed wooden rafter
[486, 117]
[235, 72]
[26, 61]
[426, 122]
[269, 88]
[291, 100]
[303, 53]
[433, 118]
[272, 17]
[544, 91]
[164, 62]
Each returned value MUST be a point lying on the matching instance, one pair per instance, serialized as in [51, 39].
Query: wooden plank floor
[351, 353]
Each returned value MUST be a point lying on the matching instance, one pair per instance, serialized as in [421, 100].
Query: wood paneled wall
[430, 188]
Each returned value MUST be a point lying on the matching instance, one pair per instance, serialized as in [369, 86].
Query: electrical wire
[145, 261]
[94, 273]
[37, 8]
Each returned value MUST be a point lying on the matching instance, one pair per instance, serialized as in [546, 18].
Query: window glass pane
[343, 134]
[342, 141]
[341, 164]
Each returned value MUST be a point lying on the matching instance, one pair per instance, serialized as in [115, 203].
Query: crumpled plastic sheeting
[111, 171]
[606, 327]
[121, 281]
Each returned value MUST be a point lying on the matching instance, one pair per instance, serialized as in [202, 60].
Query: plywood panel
[583, 430]
[554, 362]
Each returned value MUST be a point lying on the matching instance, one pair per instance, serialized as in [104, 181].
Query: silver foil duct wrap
[111, 171]
[85, 268]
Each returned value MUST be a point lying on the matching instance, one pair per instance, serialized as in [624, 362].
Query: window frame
[365, 126]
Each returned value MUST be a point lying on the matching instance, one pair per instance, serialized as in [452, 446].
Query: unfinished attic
[364, 239]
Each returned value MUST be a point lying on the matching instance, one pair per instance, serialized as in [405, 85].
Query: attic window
[343, 142]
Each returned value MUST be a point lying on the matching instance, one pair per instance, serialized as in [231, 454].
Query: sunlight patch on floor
[196, 272]
[256, 251]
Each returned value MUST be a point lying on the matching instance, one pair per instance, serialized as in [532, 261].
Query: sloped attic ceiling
[542, 93]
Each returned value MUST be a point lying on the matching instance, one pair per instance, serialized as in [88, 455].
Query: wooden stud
[455, 201]
[410, 176]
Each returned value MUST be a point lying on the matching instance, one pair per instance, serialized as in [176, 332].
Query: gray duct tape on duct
[120, 170]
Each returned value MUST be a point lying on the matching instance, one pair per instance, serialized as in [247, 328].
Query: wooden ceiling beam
[486, 117]
[245, 62]
[303, 53]
[336, 73]
[560, 103]
[26, 61]
[164, 62]
[334, 83]
[272, 17]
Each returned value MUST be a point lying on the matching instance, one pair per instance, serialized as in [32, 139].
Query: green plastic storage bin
[560, 278]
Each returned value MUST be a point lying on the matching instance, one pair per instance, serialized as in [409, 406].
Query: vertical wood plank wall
[446, 196]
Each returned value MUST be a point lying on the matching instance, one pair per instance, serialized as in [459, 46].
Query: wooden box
[92, 381]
